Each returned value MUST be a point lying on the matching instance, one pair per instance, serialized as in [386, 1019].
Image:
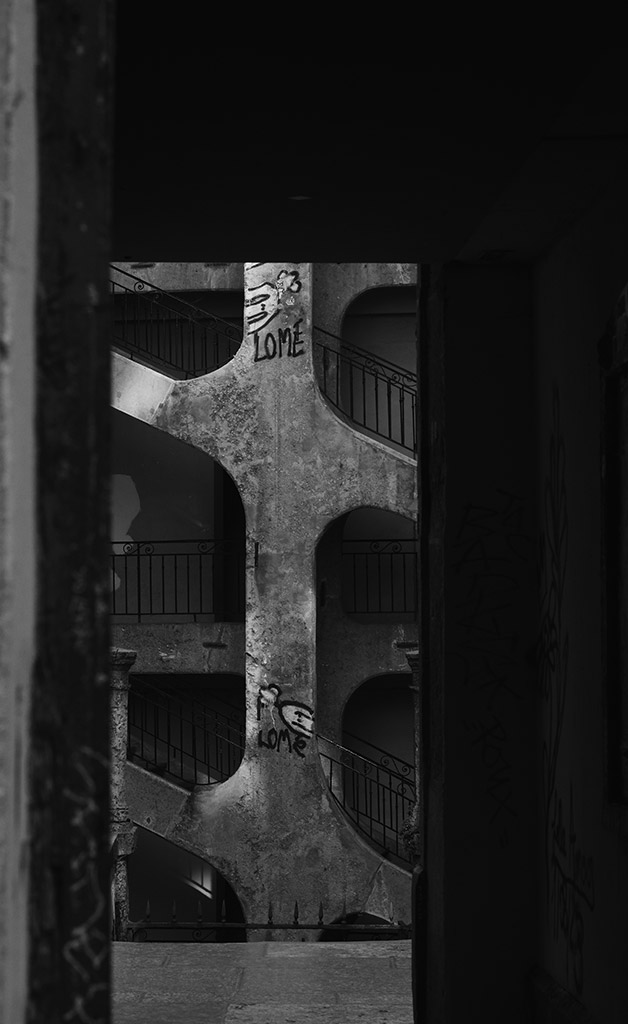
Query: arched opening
[175, 896]
[371, 772]
[178, 530]
[189, 729]
[368, 372]
[379, 565]
[183, 334]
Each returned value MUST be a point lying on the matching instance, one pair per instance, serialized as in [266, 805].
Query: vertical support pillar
[122, 828]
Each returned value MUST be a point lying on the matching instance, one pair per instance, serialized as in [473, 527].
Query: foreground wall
[583, 850]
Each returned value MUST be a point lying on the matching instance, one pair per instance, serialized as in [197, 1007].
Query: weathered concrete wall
[271, 828]
[175, 277]
[18, 538]
[189, 648]
[336, 285]
[583, 842]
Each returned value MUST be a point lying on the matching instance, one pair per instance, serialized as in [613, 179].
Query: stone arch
[161, 320]
[181, 557]
[367, 371]
[378, 718]
[385, 323]
[167, 879]
[354, 644]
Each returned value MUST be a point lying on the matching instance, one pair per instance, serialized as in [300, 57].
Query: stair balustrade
[181, 738]
[371, 793]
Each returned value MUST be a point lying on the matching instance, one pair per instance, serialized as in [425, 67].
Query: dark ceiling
[453, 158]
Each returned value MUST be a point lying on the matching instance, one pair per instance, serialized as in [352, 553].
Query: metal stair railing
[182, 738]
[375, 798]
[165, 331]
[371, 391]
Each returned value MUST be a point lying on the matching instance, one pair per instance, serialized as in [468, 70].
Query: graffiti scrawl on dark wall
[263, 304]
[295, 715]
[569, 874]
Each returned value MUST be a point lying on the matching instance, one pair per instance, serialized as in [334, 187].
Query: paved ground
[262, 983]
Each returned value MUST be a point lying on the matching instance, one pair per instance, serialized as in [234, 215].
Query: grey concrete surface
[262, 983]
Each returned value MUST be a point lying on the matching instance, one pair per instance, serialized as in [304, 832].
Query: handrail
[170, 737]
[195, 311]
[376, 799]
[366, 355]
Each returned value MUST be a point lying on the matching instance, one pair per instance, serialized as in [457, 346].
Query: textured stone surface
[181, 649]
[262, 983]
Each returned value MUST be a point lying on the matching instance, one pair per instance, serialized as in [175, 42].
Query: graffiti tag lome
[263, 304]
[297, 716]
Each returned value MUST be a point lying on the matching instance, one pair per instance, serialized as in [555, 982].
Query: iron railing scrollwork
[376, 799]
[166, 331]
[177, 579]
[173, 735]
[377, 755]
[379, 576]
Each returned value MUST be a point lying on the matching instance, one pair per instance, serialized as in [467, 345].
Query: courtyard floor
[262, 983]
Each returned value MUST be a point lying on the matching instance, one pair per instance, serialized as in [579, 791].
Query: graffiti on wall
[87, 949]
[492, 549]
[263, 304]
[297, 719]
[569, 873]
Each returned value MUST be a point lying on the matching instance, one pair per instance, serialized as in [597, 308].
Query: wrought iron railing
[376, 799]
[204, 930]
[372, 392]
[177, 579]
[379, 577]
[167, 332]
[185, 739]
[383, 758]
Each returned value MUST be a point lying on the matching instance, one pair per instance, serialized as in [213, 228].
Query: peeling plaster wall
[272, 828]
[583, 836]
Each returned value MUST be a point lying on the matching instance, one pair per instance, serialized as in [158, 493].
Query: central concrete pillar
[280, 609]
[273, 829]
